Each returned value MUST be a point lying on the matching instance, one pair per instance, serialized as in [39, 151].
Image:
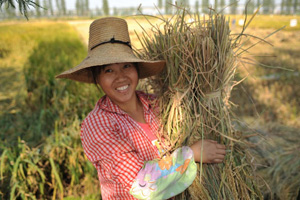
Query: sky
[93, 4]
[119, 3]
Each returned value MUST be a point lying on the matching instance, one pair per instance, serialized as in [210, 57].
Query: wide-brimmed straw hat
[109, 43]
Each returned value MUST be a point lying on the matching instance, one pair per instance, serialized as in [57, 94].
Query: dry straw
[277, 156]
[193, 93]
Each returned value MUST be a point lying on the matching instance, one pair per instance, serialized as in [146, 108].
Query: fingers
[221, 151]
[213, 152]
[217, 161]
[213, 141]
[220, 157]
[221, 146]
[214, 161]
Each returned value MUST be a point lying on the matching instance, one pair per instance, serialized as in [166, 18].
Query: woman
[119, 134]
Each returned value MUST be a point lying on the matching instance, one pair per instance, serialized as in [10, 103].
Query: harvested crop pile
[193, 93]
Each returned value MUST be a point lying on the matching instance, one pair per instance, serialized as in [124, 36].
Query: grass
[41, 153]
[268, 100]
[275, 154]
[271, 93]
[275, 22]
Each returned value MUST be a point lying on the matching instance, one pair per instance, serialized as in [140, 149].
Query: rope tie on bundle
[210, 96]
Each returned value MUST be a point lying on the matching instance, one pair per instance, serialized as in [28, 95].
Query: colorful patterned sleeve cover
[167, 177]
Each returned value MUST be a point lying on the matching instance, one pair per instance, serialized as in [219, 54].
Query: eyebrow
[103, 67]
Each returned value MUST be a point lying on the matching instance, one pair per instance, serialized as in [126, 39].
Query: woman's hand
[212, 151]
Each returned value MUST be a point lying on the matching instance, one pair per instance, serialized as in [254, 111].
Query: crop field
[41, 156]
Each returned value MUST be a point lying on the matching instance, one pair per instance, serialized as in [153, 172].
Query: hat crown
[104, 29]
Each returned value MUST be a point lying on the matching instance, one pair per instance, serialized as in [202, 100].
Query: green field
[41, 154]
[271, 21]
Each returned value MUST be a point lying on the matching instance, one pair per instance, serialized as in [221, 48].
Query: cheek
[104, 83]
[135, 76]
[136, 79]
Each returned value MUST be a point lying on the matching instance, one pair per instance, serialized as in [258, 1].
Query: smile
[122, 88]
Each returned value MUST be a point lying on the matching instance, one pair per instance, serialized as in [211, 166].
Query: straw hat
[109, 43]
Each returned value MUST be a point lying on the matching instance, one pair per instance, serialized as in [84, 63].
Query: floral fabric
[167, 177]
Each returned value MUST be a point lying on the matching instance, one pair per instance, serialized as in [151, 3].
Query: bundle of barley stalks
[193, 93]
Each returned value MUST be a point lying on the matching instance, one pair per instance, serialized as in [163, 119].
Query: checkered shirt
[117, 146]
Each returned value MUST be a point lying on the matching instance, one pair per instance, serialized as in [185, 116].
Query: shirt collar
[106, 104]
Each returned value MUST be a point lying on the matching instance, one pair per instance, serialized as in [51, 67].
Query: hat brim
[105, 55]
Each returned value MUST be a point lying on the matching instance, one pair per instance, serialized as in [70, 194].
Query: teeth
[122, 88]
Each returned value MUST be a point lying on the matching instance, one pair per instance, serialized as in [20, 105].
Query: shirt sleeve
[167, 177]
[105, 147]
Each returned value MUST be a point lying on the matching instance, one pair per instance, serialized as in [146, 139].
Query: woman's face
[119, 82]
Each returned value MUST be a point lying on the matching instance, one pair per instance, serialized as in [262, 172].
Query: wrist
[196, 148]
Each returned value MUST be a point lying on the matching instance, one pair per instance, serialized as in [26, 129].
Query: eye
[127, 66]
[107, 70]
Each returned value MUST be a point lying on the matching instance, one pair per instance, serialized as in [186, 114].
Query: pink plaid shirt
[117, 146]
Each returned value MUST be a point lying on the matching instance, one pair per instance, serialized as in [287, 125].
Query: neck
[132, 106]
[134, 109]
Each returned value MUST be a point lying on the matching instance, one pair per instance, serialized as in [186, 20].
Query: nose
[120, 75]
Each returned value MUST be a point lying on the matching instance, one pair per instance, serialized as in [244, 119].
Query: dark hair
[95, 73]
[137, 68]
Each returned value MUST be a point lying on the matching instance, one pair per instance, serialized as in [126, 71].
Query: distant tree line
[57, 8]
